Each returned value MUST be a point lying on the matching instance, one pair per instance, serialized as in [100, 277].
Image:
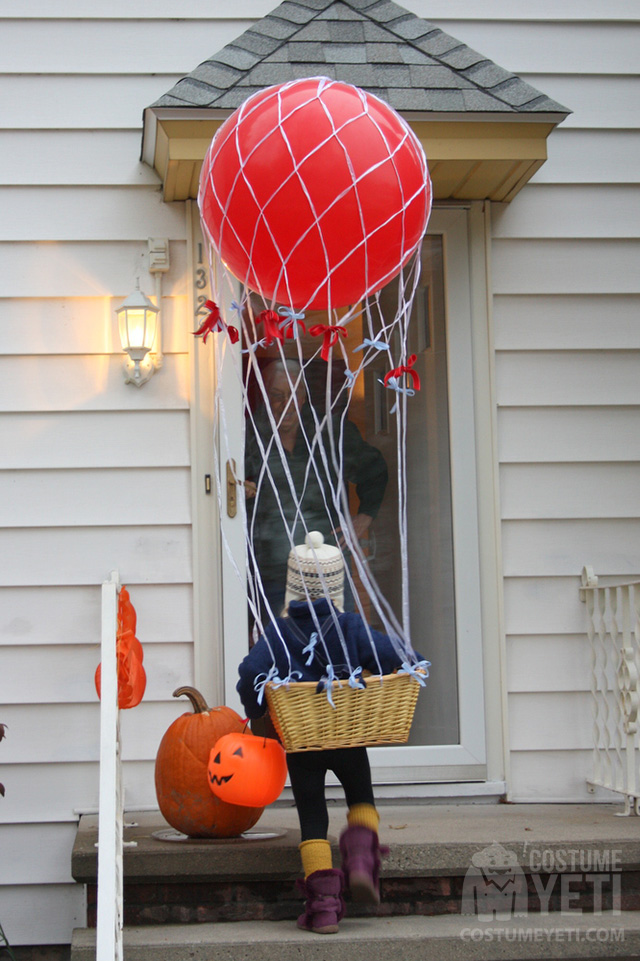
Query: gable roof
[373, 44]
[484, 129]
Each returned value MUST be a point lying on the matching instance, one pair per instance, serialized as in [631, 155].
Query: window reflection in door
[307, 444]
[429, 515]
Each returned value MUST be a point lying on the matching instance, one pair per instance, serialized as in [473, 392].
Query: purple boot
[361, 863]
[324, 906]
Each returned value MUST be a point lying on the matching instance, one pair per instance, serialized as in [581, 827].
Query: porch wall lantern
[140, 322]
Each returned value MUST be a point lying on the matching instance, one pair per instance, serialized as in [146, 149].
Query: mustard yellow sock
[316, 856]
[364, 816]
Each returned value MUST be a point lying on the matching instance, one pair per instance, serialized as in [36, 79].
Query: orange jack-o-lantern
[247, 770]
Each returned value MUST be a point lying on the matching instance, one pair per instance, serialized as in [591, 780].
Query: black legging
[308, 769]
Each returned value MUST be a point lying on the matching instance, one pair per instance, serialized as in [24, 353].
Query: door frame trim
[486, 748]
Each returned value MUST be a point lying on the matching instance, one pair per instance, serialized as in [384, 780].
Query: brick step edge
[396, 939]
[172, 902]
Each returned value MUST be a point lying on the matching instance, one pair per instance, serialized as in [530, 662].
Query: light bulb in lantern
[138, 324]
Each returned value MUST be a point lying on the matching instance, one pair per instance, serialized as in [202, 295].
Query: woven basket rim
[370, 679]
[306, 720]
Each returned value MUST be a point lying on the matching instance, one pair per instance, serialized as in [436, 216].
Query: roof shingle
[374, 44]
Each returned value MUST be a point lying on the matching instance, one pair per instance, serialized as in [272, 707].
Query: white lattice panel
[613, 628]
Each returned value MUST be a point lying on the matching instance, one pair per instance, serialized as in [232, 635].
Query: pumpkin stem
[197, 700]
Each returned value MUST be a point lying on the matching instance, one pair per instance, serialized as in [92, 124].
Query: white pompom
[314, 539]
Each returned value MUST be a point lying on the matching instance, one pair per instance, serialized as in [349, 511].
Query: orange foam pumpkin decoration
[182, 788]
[248, 770]
[132, 678]
[126, 612]
[127, 641]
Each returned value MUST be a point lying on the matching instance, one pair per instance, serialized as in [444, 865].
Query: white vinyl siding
[42, 914]
[27, 780]
[457, 11]
[134, 438]
[39, 615]
[570, 434]
[565, 307]
[96, 472]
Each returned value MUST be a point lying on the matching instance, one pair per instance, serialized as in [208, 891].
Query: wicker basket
[380, 713]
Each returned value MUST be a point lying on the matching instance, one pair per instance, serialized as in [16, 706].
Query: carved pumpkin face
[247, 770]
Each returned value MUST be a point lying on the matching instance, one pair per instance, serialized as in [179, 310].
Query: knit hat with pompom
[315, 570]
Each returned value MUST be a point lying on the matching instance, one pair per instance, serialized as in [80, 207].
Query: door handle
[232, 489]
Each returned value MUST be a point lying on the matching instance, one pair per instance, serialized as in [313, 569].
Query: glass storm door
[447, 741]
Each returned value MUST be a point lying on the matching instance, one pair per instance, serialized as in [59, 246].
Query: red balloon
[315, 193]
[247, 770]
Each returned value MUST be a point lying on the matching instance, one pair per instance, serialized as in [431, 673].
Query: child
[321, 641]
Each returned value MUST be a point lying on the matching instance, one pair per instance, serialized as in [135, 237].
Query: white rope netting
[313, 196]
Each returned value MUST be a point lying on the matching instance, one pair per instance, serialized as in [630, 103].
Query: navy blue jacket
[296, 629]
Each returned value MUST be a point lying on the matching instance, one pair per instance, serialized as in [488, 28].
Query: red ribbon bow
[331, 333]
[405, 369]
[271, 322]
[214, 322]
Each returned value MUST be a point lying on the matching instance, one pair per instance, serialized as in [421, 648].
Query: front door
[447, 738]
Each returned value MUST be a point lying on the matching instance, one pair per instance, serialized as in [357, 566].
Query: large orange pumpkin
[182, 787]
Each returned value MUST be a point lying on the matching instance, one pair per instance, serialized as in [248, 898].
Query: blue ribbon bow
[355, 679]
[325, 684]
[274, 678]
[378, 343]
[349, 374]
[252, 347]
[310, 648]
[418, 671]
[262, 680]
[237, 307]
[393, 384]
[291, 317]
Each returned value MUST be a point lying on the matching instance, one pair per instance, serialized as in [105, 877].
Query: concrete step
[571, 855]
[425, 839]
[453, 938]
